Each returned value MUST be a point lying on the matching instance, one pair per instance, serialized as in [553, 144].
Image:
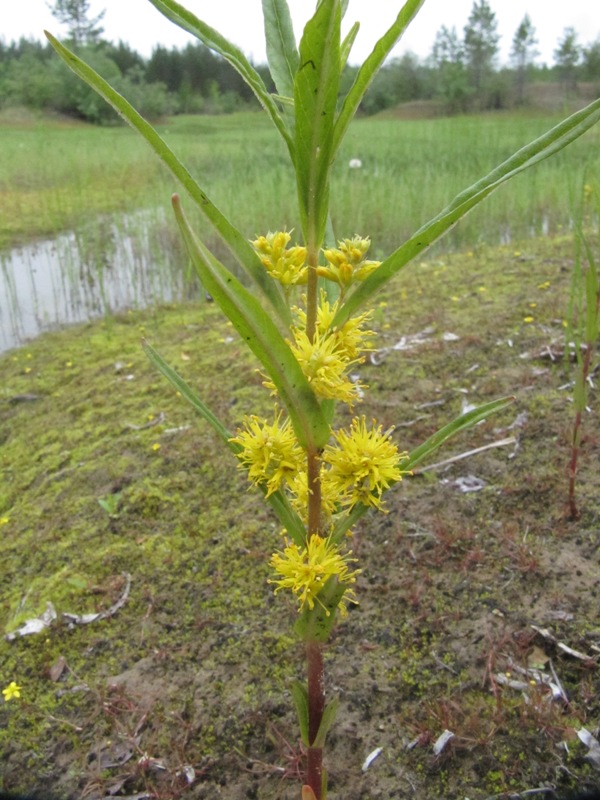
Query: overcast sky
[138, 23]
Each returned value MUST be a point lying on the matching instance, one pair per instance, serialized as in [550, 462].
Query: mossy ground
[194, 670]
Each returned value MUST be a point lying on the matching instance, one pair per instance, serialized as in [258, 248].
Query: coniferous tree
[481, 48]
[591, 61]
[566, 58]
[75, 15]
[522, 55]
[451, 84]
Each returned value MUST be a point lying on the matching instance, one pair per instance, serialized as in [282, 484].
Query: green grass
[55, 175]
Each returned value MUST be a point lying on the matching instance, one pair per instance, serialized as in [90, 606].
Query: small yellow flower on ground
[12, 690]
[305, 570]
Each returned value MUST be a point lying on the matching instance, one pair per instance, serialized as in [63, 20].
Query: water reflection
[113, 264]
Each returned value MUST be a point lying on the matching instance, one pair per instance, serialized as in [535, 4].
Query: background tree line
[461, 74]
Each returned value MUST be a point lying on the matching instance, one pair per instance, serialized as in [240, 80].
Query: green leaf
[188, 394]
[371, 66]
[282, 52]
[315, 625]
[231, 236]
[346, 46]
[286, 515]
[327, 720]
[315, 97]
[213, 39]
[346, 521]
[547, 145]
[277, 500]
[262, 336]
[457, 425]
[300, 697]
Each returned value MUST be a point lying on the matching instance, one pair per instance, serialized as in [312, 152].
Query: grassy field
[56, 175]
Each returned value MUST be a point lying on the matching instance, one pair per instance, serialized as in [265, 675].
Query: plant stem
[576, 440]
[314, 653]
[312, 259]
[316, 706]
[573, 512]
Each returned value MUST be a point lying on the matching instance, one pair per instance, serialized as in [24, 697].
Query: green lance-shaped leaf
[277, 500]
[188, 393]
[282, 52]
[327, 720]
[231, 236]
[300, 697]
[262, 336]
[314, 625]
[424, 450]
[461, 423]
[315, 97]
[346, 46]
[213, 39]
[547, 145]
[370, 68]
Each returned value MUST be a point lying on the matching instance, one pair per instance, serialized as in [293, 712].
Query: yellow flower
[4, 521]
[363, 464]
[347, 264]
[270, 452]
[156, 446]
[12, 690]
[305, 570]
[324, 365]
[350, 339]
[286, 265]
[528, 319]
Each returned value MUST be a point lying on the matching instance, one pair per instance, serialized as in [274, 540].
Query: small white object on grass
[442, 741]
[371, 758]
[355, 163]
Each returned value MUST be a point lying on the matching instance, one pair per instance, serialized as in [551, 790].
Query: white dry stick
[500, 443]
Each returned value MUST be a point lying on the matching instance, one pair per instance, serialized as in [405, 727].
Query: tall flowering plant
[306, 320]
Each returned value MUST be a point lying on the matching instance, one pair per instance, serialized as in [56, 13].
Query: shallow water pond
[112, 264]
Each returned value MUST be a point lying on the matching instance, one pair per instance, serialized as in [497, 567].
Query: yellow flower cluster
[269, 452]
[305, 570]
[360, 463]
[363, 463]
[286, 265]
[358, 466]
[347, 263]
[325, 367]
[351, 339]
